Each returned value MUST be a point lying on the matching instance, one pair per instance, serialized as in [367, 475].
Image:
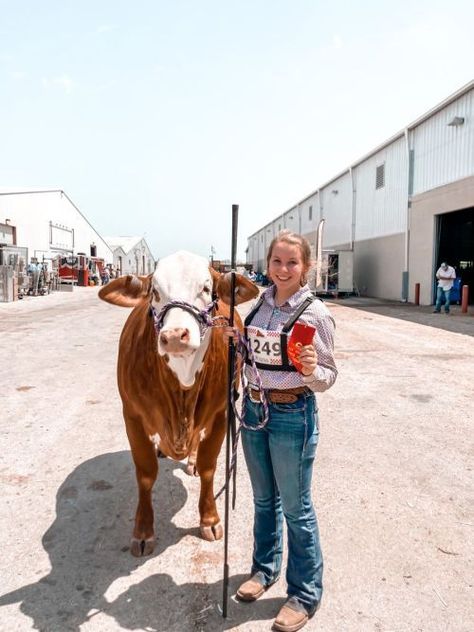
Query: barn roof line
[424, 117]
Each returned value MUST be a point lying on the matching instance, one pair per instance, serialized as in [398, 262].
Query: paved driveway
[393, 485]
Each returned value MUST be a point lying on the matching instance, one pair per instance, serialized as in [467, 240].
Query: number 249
[273, 349]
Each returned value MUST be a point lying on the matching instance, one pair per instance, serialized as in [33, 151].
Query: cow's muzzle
[175, 340]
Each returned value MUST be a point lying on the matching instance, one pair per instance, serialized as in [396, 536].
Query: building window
[380, 176]
[310, 213]
[279, 227]
[261, 237]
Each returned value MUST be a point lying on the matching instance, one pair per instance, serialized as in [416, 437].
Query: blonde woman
[281, 454]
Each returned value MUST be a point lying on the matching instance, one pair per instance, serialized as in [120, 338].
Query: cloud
[337, 42]
[17, 74]
[65, 82]
[106, 28]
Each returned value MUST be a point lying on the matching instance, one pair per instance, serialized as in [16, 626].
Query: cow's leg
[146, 468]
[209, 448]
[191, 465]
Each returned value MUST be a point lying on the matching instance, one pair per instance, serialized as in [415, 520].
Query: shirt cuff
[309, 379]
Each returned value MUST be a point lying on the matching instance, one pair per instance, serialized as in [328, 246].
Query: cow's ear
[216, 276]
[126, 291]
[245, 290]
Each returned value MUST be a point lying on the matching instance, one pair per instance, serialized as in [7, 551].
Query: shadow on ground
[87, 548]
[456, 322]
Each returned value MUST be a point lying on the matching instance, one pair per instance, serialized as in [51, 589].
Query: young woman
[280, 454]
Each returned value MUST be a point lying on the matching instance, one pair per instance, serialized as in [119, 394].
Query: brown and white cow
[172, 378]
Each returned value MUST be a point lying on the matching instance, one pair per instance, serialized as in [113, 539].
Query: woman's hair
[294, 239]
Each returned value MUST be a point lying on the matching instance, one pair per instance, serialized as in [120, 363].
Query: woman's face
[286, 267]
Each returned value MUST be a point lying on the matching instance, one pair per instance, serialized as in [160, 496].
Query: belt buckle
[255, 396]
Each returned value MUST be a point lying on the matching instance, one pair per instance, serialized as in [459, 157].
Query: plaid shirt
[272, 318]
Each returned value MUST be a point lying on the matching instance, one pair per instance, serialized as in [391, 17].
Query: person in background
[445, 275]
[280, 454]
[105, 275]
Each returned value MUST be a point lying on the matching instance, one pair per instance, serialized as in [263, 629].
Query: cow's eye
[206, 290]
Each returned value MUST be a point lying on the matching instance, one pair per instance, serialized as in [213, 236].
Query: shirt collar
[293, 301]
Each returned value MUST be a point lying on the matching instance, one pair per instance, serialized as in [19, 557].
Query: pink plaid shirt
[272, 318]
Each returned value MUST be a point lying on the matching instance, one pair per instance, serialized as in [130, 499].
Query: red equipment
[79, 269]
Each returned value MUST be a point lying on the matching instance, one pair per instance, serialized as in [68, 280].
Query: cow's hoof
[212, 533]
[140, 548]
[191, 469]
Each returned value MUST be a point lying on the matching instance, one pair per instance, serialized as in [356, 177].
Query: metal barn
[396, 213]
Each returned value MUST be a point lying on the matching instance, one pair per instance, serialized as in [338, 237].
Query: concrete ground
[393, 483]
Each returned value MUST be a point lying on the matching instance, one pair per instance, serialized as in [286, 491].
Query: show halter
[203, 316]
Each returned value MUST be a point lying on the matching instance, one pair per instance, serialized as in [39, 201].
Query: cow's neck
[186, 369]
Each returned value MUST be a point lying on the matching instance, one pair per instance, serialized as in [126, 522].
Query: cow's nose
[177, 334]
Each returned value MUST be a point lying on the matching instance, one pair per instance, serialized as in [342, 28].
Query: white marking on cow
[202, 434]
[184, 276]
[155, 439]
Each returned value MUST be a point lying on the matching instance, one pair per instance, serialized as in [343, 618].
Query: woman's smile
[286, 269]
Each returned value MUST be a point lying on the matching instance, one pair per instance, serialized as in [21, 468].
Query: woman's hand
[231, 332]
[309, 359]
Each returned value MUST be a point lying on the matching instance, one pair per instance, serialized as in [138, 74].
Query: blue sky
[155, 117]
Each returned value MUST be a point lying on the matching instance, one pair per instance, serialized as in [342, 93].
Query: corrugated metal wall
[32, 213]
[382, 211]
[444, 153]
[375, 218]
[337, 211]
[310, 213]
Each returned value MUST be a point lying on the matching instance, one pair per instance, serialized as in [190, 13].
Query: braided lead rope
[244, 349]
[205, 321]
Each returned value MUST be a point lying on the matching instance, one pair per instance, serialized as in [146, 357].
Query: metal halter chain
[203, 316]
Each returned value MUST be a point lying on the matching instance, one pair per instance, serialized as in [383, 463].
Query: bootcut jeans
[280, 460]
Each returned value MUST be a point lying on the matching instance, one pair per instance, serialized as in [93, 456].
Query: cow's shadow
[95, 507]
[94, 519]
[158, 604]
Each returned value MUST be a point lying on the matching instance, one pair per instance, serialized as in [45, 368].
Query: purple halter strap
[203, 316]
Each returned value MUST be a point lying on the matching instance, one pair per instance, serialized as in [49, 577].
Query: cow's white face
[183, 277]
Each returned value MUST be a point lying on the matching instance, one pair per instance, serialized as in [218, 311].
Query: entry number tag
[265, 345]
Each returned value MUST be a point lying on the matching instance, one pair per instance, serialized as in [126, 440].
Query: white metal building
[400, 210]
[48, 223]
[131, 255]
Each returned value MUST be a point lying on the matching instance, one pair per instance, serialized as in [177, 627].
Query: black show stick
[230, 410]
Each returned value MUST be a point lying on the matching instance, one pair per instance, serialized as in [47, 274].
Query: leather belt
[287, 396]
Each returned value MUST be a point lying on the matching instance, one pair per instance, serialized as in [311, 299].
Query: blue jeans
[280, 460]
[439, 299]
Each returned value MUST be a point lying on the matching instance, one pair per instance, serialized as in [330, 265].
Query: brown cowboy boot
[253, 588]
[292, 616]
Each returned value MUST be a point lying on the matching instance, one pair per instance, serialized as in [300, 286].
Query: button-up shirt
[272, 317]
